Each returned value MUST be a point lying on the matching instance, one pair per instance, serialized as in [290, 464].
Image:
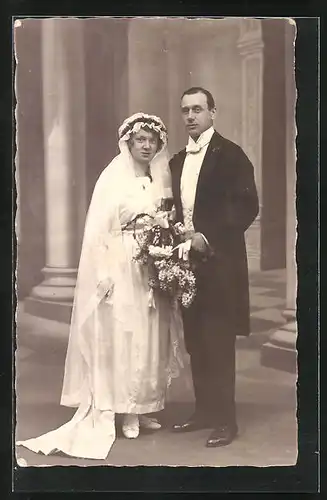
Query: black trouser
[211, 346]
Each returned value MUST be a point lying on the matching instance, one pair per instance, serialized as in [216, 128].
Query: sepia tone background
[77, 80]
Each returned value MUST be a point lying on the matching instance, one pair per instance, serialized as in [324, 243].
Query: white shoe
[149, 423]
[131, 426]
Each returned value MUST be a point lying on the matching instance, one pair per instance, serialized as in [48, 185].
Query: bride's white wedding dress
[123, 348]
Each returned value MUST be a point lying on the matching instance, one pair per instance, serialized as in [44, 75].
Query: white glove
[184, 249]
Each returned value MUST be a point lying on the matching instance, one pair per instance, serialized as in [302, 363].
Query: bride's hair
[147, 129]
[139, 121]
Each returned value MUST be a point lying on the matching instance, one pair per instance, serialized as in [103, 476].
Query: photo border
[303, 476]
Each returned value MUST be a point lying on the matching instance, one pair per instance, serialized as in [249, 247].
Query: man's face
[143, 146]
[196, 114]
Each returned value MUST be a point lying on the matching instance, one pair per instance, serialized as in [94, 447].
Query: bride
[123, 343]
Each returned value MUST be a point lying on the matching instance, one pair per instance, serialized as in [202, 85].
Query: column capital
[250, 39]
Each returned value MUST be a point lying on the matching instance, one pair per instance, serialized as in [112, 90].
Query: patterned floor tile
[254, 308]
[265, 301]
[275, 293]
[269, 314]
[254, 290]
[23, 353]
[259, 325]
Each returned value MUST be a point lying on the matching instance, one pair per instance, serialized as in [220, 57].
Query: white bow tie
[193, 147]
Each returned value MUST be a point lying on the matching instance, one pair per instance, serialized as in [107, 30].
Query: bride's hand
[105, 288]
[170, 213]
[161, 218]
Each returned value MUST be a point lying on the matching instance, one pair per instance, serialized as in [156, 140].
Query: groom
[216, 199]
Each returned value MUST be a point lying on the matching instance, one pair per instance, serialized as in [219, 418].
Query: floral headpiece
[136, 122]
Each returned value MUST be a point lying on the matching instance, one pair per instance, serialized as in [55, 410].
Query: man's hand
[198, 243]
[193, 240]
[183, 249]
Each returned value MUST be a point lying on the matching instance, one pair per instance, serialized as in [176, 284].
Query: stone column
[177, 81]
[250, 45]
[147, 67]
[280, 352]
[64, 164]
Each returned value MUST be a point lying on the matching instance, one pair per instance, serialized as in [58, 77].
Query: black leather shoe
[222, 436]
[193, 424]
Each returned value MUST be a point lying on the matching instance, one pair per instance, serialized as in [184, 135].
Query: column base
[53, 298]
[39, 333]
[280, 351]
[57, 311]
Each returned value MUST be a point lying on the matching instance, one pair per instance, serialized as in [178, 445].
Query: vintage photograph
[156, 224]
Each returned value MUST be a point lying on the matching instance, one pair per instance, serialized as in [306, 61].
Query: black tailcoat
[226, 204]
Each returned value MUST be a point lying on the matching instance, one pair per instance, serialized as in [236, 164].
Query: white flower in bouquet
[160, 252]
[159, 264]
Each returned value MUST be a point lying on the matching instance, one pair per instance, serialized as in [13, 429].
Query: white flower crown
[136, 122]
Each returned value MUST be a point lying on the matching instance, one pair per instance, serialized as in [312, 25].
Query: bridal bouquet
[157, 250]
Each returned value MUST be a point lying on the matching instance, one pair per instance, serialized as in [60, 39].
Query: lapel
[176, 180]
[208, 165]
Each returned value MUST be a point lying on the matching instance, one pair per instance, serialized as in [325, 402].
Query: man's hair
[196, 90]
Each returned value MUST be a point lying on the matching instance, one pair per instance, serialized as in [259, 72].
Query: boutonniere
[216, 149]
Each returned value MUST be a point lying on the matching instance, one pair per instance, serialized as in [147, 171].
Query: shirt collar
[202, 141]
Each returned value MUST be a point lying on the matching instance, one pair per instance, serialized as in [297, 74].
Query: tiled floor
[266, 402]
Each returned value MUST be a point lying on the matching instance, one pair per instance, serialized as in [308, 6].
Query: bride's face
[143, 146]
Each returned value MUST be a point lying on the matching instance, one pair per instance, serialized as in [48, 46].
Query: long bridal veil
[91, 432]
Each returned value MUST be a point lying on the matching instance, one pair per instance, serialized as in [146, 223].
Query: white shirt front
[195, 152]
